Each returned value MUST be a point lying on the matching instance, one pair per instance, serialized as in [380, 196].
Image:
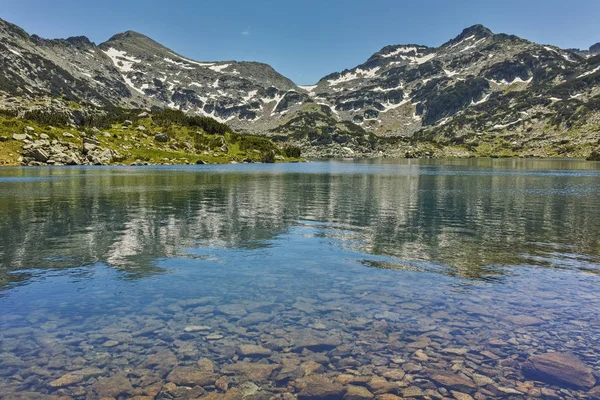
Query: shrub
[268, 157]
[292, 151]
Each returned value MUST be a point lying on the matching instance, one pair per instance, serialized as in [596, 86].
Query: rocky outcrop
[58, 152]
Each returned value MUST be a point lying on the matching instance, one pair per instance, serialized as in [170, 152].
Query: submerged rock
[560, 367]
[317, 387]
[114, 386]
[251, 350]
[190, 376]
[454, 381]
[358, 393]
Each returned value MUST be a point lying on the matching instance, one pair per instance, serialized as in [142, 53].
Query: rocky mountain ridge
[479, 86]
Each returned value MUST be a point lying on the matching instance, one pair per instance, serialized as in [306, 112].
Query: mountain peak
[135, 42]
[477, 31]
[81, 41]
[127, 35]
[595, 49]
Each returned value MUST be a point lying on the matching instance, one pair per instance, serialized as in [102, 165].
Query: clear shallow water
[380, 275]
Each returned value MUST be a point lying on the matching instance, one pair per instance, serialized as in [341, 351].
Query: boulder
[200, 162]
[3, 138]
[315, 340]
[143, 115]
[68, 135]
[127, 123]
[91, 140]
[595, 393]
[594, 155]
[524, 320]
[44, 136]
[39, 155]
[559, 367]
[454, 381]
[252, 350]
[358, 393]
[190, 376]
[317, 387]
[250, 371]
[161, 138]
[115, 386]
[89, 147]
[19, 136]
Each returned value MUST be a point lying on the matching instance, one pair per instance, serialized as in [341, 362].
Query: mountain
[478, 93]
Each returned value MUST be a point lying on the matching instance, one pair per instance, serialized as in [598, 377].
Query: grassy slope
[186, 144]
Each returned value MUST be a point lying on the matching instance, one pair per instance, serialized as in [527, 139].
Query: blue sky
[305, 40]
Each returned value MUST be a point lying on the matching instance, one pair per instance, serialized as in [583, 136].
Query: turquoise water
[389, 270]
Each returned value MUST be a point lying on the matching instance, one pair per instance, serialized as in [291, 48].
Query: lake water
[308, 280]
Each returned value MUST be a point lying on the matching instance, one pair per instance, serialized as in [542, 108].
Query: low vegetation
[157, 137]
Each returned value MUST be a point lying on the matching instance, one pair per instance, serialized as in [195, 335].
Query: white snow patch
[391, 106]
[507, 125]
[121, 60]
[589, 72]
[14, 52]
[516, 80]
[450, 74]
[444, 121]
[380, 89]
[462, 41]
[358, 73]
[400, 50]
[486, 98]
[550, 49]
[192, 61]
[330, 107]
[179, 64]
[219, 68]
[473, 46]
[555, 99]
[424, 59]
[250, 95]
[309, 89]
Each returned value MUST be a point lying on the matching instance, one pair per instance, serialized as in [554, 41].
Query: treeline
[176, 117]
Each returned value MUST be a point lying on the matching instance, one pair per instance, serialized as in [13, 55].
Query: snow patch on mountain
[309, 89]
[424, 59]
[400, 50]
[219, 68]
[121, 60]
[589, 72]
[357, 74]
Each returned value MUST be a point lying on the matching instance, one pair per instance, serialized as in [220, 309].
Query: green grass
[187, 144]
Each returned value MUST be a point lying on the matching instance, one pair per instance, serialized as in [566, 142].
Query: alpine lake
[355, 280]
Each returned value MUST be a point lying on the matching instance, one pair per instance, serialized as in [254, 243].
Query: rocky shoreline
[250, 350]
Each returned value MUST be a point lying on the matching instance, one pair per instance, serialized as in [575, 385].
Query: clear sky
[306, 39]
